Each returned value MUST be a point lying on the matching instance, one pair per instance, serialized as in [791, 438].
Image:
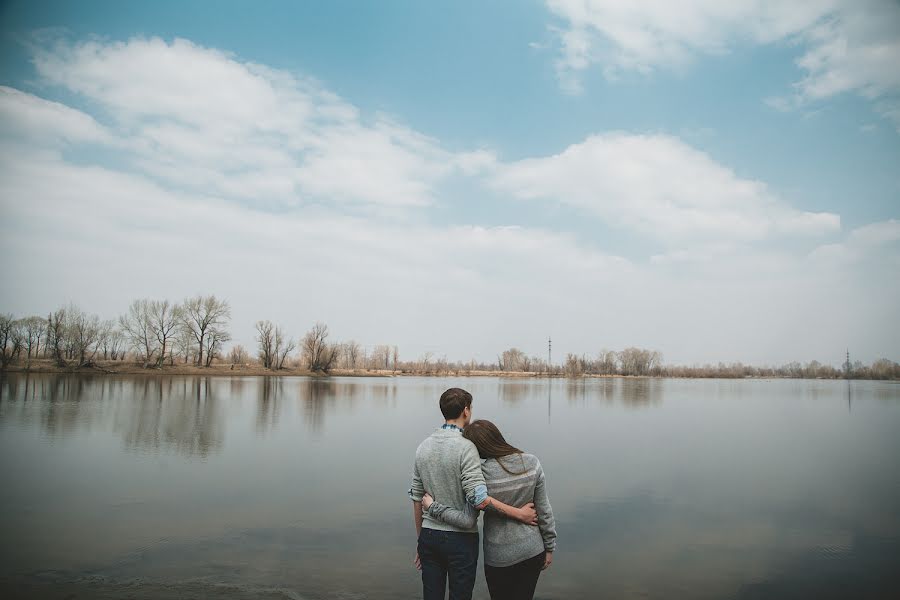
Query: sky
[718, 181]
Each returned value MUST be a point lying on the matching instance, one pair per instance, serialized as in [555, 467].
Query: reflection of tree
[268, 403]
[512, 392]
[385, 394]
[641, 393]
[631, 392]
[167, 415]
[63, 412]
[322, 395]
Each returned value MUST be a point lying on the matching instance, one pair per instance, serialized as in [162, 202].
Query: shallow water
[173, 487]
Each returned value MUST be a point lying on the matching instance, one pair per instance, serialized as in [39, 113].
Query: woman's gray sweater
[506, 541]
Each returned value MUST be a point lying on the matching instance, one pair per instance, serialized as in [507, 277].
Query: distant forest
[159, 333]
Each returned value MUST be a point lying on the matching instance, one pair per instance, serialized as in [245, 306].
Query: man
[449, 468]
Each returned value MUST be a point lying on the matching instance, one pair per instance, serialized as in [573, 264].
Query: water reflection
[268, 402]
[167, 415]
[632, 393]
[150, 414]
[320, 396]
[662, 488]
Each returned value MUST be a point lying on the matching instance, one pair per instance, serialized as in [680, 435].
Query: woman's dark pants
[448, 556]
[516, 582]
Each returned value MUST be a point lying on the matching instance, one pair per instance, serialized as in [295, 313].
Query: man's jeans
[448, 555]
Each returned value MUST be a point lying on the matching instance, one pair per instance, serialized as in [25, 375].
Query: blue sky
[714, 182]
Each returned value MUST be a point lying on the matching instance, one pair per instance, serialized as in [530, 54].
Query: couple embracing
[461, 469]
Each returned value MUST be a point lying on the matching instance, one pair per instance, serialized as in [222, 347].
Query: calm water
[296, 488]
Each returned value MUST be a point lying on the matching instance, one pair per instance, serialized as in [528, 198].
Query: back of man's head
[453, 402]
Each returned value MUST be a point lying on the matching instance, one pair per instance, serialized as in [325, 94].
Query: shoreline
[104, 368]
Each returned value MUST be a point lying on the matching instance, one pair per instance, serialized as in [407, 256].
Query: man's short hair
[454, 401]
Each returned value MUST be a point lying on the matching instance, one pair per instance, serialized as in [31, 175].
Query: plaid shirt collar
[451, 426]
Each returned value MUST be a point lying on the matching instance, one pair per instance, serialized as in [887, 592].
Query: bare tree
[238, 355]
[283, 347]
[82, 334]
[214, 339]
[606, 362]
[111, 340]
[352, 353]
[381, 357]
[395, 357]
[137, 325]
[33, 331]
[318, 354]
[526, 363]
[56, 334]
[10, 339]
[73, 335]
[203, 316]
[348, 354]
[265, 336]
[184, 344]
[574, 365]
[426, 359]
[511, 360]
[165, 319]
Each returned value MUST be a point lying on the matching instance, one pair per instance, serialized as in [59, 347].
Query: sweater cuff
[479, 495]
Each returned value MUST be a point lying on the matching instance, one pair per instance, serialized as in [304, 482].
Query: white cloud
[201, 118]
[864, 242]
[24, 115]
[661, 187]
[848, 45]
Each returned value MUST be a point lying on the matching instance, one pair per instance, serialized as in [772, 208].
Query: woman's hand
[548, 560]
[427, 501]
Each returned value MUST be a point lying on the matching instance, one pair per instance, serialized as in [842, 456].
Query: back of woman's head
[490, 442]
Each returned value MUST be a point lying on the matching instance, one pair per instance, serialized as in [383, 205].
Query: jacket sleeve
[546, 522]
[467, 518]
[417, 490]
[471, 476]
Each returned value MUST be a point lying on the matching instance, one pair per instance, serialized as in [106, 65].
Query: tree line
[154, 333]
[194, 331]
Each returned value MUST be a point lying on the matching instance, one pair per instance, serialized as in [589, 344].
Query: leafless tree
[395, 357]
[283, 347]
[165, 319]
[511, 360]
[381, 357]
[111, 341]
[350, 354]
[214, 339]
[184, 344]
[238, 355]
[202, 315]
[137, 325]
[83, 333]
[574, 365]
[606, 362]
[56, 336]
[426, 361]
[318, 354]
[33, 331]
[265, 337]
[10, 339]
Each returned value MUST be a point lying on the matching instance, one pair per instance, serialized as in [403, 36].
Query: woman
[514, 553]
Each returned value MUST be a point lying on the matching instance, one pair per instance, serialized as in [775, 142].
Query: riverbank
[118, 367]
[103, 367]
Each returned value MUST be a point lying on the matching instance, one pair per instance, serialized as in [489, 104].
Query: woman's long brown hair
[491, 444]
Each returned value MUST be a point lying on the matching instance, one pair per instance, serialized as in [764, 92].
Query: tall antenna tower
[549, 354]
[847, 365]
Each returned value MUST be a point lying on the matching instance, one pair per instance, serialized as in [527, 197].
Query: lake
[175, 487]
